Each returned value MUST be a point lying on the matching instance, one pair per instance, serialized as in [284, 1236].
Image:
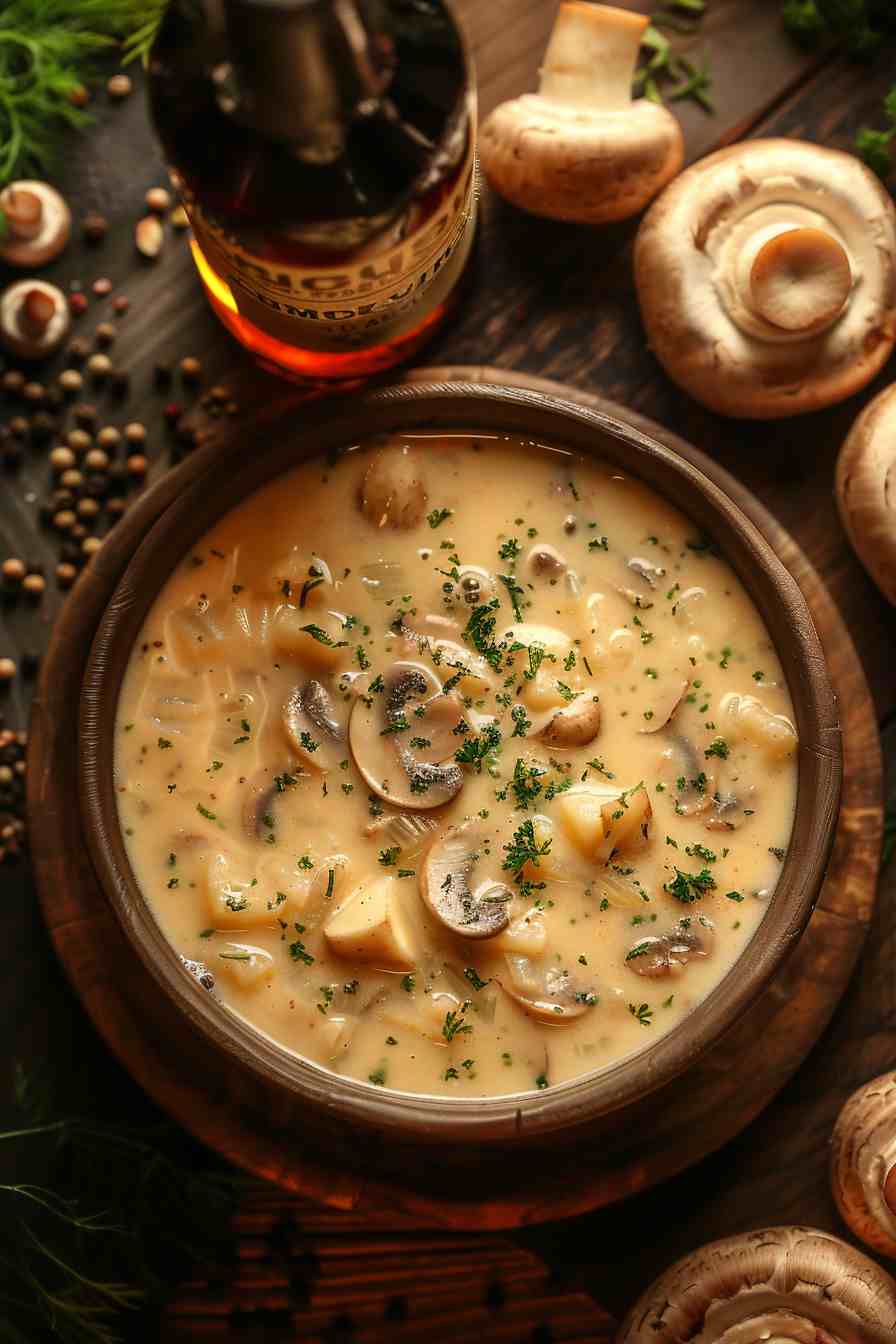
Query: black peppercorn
[77, 351]
[19, 427]
[43, 426]
[85, 415]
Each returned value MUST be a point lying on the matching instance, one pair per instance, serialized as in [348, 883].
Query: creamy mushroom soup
[461, 765]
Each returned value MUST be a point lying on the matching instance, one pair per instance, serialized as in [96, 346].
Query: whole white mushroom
[766, 276]
[581, 149]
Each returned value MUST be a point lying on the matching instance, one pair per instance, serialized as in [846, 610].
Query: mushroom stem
[24, 211]
[37, 310]
[591, 56]
[800, 280]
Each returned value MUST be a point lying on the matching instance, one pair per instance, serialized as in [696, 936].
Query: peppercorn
[77, 303]
[85, 414]
[65, 574]
[77, 351]
[102, 286]
[13, 382]
[137, 465]
[8, 669]
[135, 432]
[105, 333]
[70, 381]
[13, 570]
[157, 198]
[95, 227]
[78, 440]
[179, 218]
[96, 460]
[90, 546]
[115, 508]
[43, 426]
[121, 303]
[109, 437]
[78, 532]
[62, 458]
[34, 585]
[34, 393]
[118, 86]
[61, 499]
[190, 369]
[71, 479]
[19, 427]
[64, 520]
[96, 485]
[87, 508]
[161, 375]
[118, 477]
[99, 366]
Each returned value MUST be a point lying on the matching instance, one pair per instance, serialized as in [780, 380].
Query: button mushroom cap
[866, 489]
[34, 319]
[863, 1164]
[410, 777]
[311, 727]
[393, 492]
[783, 1285]
[447, 888]
[577, 724]
[580, 149]
[766, 276]
[38, 221]
[547, 993]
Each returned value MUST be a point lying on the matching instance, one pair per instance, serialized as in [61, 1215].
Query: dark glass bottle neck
[298, 70]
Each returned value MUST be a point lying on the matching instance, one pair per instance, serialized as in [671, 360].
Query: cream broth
[462, 765]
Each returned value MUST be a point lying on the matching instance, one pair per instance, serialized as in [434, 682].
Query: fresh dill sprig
[120, 1215]
[48, 49]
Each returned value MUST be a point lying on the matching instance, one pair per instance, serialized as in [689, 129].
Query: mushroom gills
[547, 993]
[311, 726]
[471, 911]
[666, 954]
[419, 773]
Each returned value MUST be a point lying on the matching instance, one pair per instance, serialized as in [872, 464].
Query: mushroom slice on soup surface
[546, 992]
[403, 741]
[393, 492]
[468, 908]
[312, 727]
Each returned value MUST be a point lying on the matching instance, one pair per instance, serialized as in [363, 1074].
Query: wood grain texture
[551, 301]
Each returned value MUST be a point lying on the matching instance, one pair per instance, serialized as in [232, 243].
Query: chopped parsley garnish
[299, 952]
[521, 724]
[733, 896]
[526, 783]
[323, 638]
[407, 983]
[479, 747]
[642, 1012]
[700, 852]
[378, 1077]
[510, 549]
[204, 812]
[719, 748]
[438, 516]
[523, 849]
[479, 631]
[639, 950]
[164, 744]
[455, 1024]
[689, 887]
[541, 1081]
[474, 978]
[388, 857]
[566, 691]
[514, 592]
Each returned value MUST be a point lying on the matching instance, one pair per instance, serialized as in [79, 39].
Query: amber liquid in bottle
[325, 150]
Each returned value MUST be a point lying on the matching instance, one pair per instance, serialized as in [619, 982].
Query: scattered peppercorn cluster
[97, 462]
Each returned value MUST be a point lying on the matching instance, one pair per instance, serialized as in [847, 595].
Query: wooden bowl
[352, 1124]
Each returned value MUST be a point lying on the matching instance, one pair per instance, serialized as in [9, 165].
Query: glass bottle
[325, 153]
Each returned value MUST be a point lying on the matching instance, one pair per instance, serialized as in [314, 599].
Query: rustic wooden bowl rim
[511, 410]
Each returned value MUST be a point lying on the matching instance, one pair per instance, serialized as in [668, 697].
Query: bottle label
[376, 298]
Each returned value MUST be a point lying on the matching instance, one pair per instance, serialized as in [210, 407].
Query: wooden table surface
[556, 301]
